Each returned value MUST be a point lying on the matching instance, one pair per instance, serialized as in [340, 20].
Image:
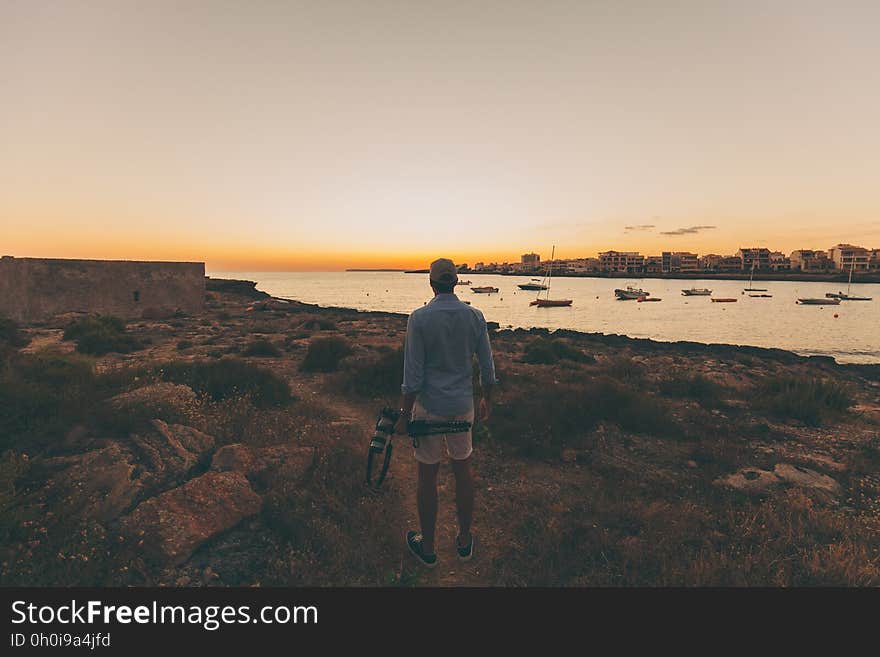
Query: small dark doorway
[137, 295]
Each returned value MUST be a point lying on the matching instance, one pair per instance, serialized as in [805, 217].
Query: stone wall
[33, 289]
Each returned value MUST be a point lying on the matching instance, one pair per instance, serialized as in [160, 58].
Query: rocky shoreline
[228, 449]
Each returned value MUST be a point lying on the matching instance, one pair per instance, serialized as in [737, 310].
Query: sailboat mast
[852, 265]
[550, 270]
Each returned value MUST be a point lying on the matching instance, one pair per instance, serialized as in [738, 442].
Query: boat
[548, 302]
[532, 286]
[641, 299]
[551, 303]
[463, 283]
[697, 292]
[750, 288]
[819, 302]
[486, 289]
[630, 293]
[847, 296]
[761, 296]
[724, 300]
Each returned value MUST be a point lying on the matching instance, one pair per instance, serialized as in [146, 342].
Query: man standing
[442, 338]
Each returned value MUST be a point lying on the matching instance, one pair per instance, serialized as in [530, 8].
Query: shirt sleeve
[413, 359]
[484, 356]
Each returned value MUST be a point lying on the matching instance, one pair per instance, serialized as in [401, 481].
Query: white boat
[697, 292]
[630, 293]
[847, 296]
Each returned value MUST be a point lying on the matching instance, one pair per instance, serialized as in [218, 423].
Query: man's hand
[401, 427]
[485, 409]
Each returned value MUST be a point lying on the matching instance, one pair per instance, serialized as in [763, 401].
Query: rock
[171, 526]
[256, 461]
[569, 456]
[171, 451]
[750, 480]
[795, 475]
[754, 480]
[158, 400]
[692, 464]
[96, 485]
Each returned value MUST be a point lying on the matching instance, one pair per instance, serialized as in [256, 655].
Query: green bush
[809, 400]
[11, 334]
[229, 377]
[41, 396]
[324, 354]
[540, 418]
[379, 377]
[705, 391]
[101, 334]
[262, 348]
[544, 351]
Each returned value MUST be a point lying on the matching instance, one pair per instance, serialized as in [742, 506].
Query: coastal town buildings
[847, 256]
[836, 259]
[779, 261]
[754, 258]
[680, 261]
[530, 261]
[626, 262]
[810, 260]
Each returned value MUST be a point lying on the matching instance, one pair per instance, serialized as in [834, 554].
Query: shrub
[101, 334]
[705, 391]
[41, 396]
[810, 401]
[624, 369]
[379, 377]
[229, 377]
[11, 334]
[318, 325]
[184, 344]
[324, 354]
[540, 418]
[543, 351]
[262, 348]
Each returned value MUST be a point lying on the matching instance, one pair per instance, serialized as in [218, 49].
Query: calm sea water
[849, 332]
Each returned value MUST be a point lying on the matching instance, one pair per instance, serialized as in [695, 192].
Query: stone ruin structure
[35, 289]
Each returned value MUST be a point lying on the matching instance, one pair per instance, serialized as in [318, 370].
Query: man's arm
[413, 373]
[487, 372]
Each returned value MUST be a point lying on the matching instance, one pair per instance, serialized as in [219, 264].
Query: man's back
[442, 338]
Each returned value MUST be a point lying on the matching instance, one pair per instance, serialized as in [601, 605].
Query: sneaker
[467, 552]
[414, 543]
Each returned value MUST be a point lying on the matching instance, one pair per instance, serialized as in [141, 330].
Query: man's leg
[426, 497]
[464, 498]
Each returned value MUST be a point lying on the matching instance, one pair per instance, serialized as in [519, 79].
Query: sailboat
[750, 288]
[534, 284]
[548, 302]
[847, 296]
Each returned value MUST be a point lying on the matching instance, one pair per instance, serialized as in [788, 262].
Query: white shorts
[430, 450]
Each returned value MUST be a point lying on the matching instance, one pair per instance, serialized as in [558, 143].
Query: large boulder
[171, 526]
[159, 400]
[103, 483]
[253, 462]
[96, 485]
[170, 451]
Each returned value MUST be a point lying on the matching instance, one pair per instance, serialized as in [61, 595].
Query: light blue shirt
[441, 340]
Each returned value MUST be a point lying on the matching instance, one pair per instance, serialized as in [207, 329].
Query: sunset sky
[330, 134]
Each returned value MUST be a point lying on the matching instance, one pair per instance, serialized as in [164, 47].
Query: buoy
[835, 315]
